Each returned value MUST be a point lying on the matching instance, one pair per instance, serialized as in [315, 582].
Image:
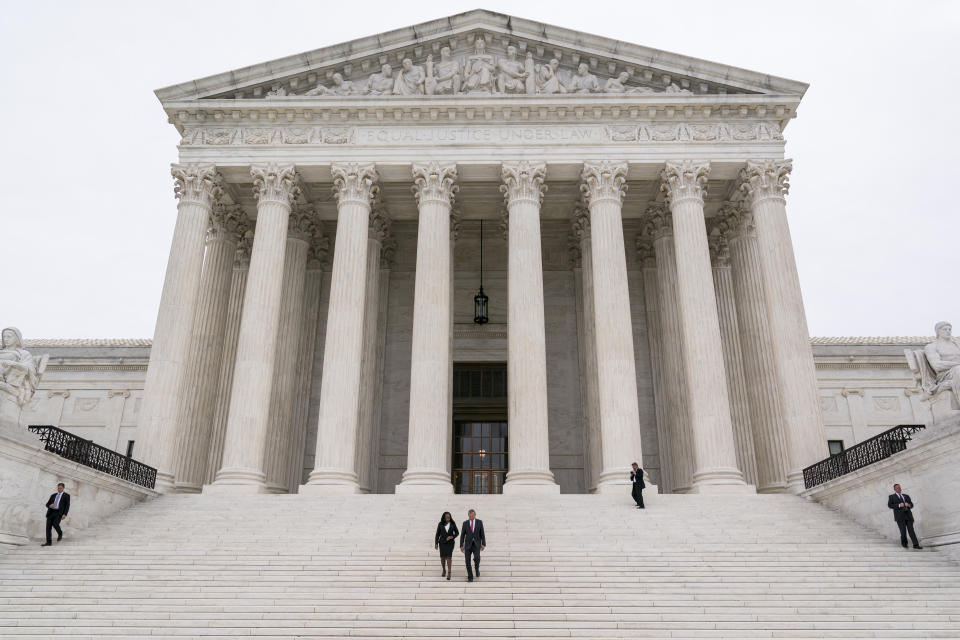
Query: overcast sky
[88, 209]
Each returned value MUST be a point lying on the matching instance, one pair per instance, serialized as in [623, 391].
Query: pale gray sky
[88, 211]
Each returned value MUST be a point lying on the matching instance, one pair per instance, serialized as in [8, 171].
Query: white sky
[88, 207]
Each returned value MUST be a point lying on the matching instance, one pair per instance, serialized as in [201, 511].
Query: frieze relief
[507, 134]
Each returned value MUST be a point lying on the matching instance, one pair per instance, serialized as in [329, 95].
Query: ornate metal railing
[879, 447]
[92, 455]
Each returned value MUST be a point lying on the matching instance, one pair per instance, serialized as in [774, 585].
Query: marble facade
[643, 291]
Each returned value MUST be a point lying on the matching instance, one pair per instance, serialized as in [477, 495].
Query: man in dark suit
[902, 505]
[472, 542]
[57, 508]
[636, 478]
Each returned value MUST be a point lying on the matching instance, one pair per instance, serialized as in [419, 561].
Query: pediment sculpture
[20, 371]
[479, 73]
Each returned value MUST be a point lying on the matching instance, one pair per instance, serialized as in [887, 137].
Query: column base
[424, 481]
[779, 487]
[795, 482]
[530, 482]
[165, 482]
[330, 482]
[722, 480]
[187, 487]
[237, 481]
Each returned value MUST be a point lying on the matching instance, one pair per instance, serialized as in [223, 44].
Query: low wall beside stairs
[927, 470]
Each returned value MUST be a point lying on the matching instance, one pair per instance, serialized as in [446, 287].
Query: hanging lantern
[480, 300]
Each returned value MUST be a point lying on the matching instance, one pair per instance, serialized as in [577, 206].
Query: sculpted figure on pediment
[380, 84]
[673, 88]
[583, 81]
[410, 79]
[340, 87]
[619, 85]
[943, 354]
[20, 371]
[512, 74]
[479, 74]
[442, 77]
[547, 79]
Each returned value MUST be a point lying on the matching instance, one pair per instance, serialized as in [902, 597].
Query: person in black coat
[472, 542]
[57, 508]
[902, 505]
[636, 478]
[444, 540]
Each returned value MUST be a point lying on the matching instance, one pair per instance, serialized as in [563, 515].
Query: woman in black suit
[444, 540]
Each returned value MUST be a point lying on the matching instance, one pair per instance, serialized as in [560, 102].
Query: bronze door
[479, 456]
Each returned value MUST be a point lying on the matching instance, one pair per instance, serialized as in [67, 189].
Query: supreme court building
[321, 327]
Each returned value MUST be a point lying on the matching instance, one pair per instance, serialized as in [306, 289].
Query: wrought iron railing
[877, 448]
[94, 456]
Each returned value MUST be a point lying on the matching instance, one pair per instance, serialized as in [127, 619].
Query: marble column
[379, 231]
[659, 227]
[434, 188]
[280, 427]
[355, 186]
[242, 471]
[386, 261]
[604, 185]
[651, 304]
[529, 459]
[313, 280]
[228, 359]
[594, 444]
[197, 187]
[198, 397]
[708, 407]
[733, 359]
[765, 184]
[758, 367]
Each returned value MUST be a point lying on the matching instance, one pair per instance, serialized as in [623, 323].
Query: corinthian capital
[199, 183]
[645, 253]
[580, 222]
[719, 250]
[434, 182]
[455, 217]
[523, 181]
[244, 248]
[228, 223]
[684, 180]
[276, 183]
[380, 228]
[354, 182]
[762, 179]
[319, 248]
[735, 220]
[606, 180]
[303, 222]
[657, 221]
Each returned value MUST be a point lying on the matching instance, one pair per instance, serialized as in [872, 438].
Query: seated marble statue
[443, 76]
[409, 80]
[19, 370]
[512, 76]
[943, 355]
[478, 73]
[583, 81]
[340, 87]
[381, 84]
[619, 85]
[547, 79]
[674, 88]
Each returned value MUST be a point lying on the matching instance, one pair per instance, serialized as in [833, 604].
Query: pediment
[479, 54]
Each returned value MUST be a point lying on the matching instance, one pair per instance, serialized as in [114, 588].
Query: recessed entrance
[480, 442]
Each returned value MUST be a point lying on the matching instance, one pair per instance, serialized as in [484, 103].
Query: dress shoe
[476, 571]
[904, 545]
[59, 538]
[448, 577]
[469, 579]
[916, 546]
[47, 544]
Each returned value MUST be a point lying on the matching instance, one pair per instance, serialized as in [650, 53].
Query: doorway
[480, 435]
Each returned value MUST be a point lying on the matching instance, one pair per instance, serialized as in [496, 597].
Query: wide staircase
[557, 567]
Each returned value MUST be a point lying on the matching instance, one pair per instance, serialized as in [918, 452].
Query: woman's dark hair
[444, 515]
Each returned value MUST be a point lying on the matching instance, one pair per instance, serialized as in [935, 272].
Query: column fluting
[707, 400]
[199, 391]
[651, 300]
[529, 456]
[659, 227]
[759, 370]
[765, 184]
[196, 187]
[355, 186]
[427, 437]
[238, 286]
[733, 359]
[603, 186]
[280, 428]
[242, 470]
